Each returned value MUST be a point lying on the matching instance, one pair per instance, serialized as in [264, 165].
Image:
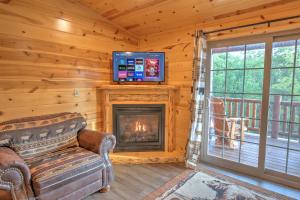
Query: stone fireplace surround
[108, 95]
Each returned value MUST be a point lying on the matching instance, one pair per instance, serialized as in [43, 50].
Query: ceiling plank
[252, 9]
[143, 17]
[137, 8]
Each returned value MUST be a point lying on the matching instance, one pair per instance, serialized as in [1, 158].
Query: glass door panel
[283, 134]
[235, 99]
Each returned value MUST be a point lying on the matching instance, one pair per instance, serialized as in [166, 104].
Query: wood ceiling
[144, 17]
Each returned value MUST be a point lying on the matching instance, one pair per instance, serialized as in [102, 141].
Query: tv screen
[138, 66]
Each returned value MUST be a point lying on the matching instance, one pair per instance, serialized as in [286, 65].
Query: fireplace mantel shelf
[108, 95]
[137, 87]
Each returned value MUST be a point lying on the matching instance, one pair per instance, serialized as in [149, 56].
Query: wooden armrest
[235, 119]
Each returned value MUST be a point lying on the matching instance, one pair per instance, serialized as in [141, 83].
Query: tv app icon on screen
[130, 74]
[130, 61]
[139, 65]
[122, 74]
[130, 68]
[122, 67]
[138, 74]
[139, 61]
[139, 68]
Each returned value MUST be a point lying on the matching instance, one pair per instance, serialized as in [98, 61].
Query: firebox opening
[139, 127]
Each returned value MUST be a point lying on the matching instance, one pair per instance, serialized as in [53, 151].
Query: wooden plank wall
[179, 48]
[48, 49]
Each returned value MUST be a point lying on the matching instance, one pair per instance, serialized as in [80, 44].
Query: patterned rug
[205, 184]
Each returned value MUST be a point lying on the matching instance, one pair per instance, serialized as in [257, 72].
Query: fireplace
[139, 127]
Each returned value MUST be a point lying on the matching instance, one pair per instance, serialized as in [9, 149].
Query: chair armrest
[15, 175]
[235, 119]
[100, 143]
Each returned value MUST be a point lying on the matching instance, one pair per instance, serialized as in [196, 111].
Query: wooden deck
[275, 156]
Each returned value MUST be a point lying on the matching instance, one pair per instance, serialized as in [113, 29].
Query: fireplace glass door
[138, 127]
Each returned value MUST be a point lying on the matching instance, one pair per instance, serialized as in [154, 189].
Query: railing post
[276, 116]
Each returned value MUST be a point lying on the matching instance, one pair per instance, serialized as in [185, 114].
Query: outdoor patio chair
[229, 128]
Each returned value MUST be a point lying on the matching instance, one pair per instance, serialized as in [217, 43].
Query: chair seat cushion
[55, 169]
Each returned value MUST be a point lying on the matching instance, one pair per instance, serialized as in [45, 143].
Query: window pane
[297, 82]
[294, 163]
[298, 54]
[234, 81]
[218, 81]
[249, 154]
[278, 138]
[255, 55]
[218, 58]
[217, 94]
[215, 145]
[234, 105]
[281, 81]
[254, 81]
[280, 108]
[294, 136]
[275, 137]
[283, 54]
[236, 56]
[276, 158]
[252, 115]
[233, 152]
[295, 111]
[295, 139]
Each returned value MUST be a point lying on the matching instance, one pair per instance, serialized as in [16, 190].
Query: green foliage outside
[283, 75]
[244, 74]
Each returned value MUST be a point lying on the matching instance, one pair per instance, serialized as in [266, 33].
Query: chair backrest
[34, 136]
[218, 115]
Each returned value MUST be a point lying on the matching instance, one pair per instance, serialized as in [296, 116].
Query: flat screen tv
[138, 66]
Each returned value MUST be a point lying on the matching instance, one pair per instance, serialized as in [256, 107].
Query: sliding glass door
[283, 135]
[235, 97]
[253, 105]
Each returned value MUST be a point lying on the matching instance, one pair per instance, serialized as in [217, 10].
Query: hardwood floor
[135, 182]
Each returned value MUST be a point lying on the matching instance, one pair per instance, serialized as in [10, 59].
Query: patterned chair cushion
[59, 168]
[34, 136]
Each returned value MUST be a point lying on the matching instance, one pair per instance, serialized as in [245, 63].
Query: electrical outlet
[76, 93]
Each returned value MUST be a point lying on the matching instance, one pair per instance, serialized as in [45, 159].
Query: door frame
[260, 171]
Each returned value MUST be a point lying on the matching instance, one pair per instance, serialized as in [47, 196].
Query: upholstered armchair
[53, 157]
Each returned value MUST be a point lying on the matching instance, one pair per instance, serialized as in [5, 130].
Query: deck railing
[282, 115]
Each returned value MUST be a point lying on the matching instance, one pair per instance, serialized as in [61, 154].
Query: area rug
[205, 184]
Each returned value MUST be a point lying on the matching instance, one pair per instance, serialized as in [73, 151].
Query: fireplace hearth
[139, 127]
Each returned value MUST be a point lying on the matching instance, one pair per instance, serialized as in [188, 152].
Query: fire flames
[139, 127]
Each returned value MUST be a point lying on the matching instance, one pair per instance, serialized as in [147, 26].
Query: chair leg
[232, 135]
[242, 138]
[105, 189]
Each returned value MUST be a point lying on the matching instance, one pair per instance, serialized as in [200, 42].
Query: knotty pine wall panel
[179, 49]
[50, 48]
